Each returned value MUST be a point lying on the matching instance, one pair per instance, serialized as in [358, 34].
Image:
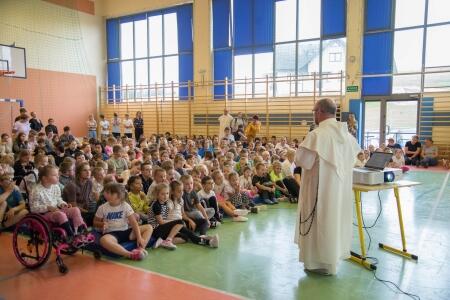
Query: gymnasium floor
[258, 260]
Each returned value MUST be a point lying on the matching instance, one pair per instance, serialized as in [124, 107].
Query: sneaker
[157, 243]
[240, 219]
[274, 201]
[417, 163]
[241, 212]
[267, 201]
[138, 254]
[215, 224]
[167, 244]
[214, 241]
[254, 210]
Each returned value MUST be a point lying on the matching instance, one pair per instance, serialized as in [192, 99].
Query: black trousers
[162, 231]
[116, 134]
[292, 186]
[137, 133]
[188, 235]
[212, 202]
[128, 135]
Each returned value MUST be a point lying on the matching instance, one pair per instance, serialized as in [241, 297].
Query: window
[285, 18]
[438, 11]
[409, 13]
[407, 58]
[148, 50]
[282, 38]
[335, 57]
[335, 48]
[309, 19]
[398, 46]
[140, 37]
[437, 58]
[126, 40]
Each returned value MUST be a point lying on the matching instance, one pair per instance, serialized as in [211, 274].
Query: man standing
[239, 120]
[224, 122]
[35, 123]
[325, 214]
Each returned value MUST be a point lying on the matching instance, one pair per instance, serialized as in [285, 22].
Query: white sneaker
[158, 243]
[241, 212]
[214, 241]
[240, 219]
[167, 244]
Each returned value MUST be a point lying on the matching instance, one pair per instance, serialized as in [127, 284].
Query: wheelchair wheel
[32, 241]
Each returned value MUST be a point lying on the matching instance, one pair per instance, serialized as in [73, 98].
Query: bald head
[327, 106]
[324, 109]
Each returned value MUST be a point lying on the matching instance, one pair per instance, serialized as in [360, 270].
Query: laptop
[377, 162]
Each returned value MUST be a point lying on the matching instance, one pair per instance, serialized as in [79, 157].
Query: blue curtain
[243, 23]
[184, 22]
[112, 38]
[333, 17]
[185, 74]
[378, 14]
[113, 79]
[263, 25]
[223, 62]
[221, 23]
[377, 59]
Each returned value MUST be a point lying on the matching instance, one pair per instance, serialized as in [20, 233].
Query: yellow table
[358, 189]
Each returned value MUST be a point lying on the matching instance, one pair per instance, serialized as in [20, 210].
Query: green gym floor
[258, 259]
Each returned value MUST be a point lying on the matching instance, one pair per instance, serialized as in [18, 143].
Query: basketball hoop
[6, 73]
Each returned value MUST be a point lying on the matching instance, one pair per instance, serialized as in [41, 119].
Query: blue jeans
[92, 134]
[429, 161]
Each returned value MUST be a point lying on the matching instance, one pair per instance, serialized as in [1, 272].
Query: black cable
[375, 261]
[391, 285]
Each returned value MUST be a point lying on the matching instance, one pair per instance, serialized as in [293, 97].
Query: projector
[374, 177]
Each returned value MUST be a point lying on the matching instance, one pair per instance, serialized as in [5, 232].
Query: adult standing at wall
[115, 123]
[35, 123]
[138, 123]
[224, 122]
[252, 129]
[238, 120]
[92, 127]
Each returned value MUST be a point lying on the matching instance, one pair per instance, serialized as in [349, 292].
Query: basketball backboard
[13, 61]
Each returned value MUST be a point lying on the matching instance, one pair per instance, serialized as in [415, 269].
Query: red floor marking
[91, 279]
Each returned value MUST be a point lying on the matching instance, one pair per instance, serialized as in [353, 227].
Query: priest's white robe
[327, 156]
[224, 122]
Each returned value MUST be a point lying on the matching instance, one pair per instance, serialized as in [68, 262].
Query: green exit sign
[352, 88]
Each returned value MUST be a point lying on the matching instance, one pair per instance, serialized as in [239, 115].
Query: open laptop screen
[378, 160]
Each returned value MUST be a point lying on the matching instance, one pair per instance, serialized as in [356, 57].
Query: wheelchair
[34, 237]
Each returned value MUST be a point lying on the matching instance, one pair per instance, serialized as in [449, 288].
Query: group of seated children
[157, 192]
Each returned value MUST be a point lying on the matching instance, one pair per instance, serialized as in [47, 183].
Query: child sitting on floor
[266, 188]
[137, 198]
[116, 220]
[163, 229]
[176, 212]
[223, 191]
[238, 197]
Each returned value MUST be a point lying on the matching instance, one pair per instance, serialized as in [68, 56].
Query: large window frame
[297, 77]
[393, 30]
[134, 93]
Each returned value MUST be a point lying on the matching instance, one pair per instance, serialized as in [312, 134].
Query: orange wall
[67, 97]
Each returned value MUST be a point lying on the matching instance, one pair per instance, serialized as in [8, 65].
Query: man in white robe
[224, 122]
[325, 210]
